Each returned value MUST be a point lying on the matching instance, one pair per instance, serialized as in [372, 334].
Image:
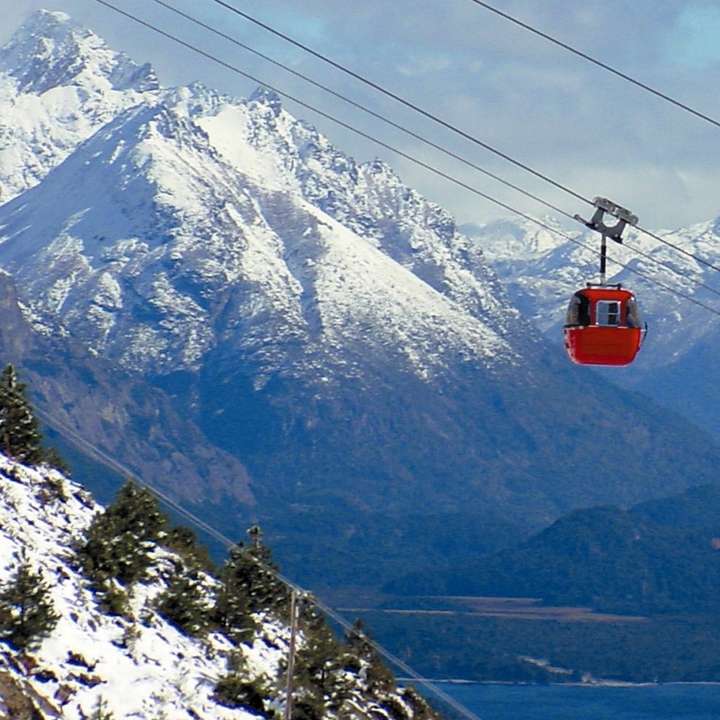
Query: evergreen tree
[119, 541]
[249, 584]
[26, 610]
[255, 571]
[238, 689]
[321, 684]
[20, 436]
[184, 542]
[420, 707]
[184, 603]
[231, 611]
[363, 659]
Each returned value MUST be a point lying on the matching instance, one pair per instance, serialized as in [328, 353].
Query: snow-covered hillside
[135, 666]
[140, 668]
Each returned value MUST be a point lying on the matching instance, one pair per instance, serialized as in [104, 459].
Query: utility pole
[291, 653]
[255, 534]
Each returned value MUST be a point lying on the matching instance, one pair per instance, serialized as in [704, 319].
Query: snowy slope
[59, 82]
[139, 665]
[156, 250]
[193, 218]
[259, 136]
[158, 670]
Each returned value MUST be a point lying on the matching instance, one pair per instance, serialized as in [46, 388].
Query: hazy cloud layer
[553, 111]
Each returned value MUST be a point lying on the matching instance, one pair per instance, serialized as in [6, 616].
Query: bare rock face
[20, 701]
[83, 396]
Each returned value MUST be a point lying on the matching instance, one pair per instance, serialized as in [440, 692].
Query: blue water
[563, 702]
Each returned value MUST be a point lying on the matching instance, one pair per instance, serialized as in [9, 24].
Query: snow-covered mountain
[677, 366]
[134, 664]
[191, 218]
[161, 251]
[313, 315]
[58, 84]
[542, 270]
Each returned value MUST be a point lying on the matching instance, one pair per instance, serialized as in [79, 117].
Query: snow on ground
[143, 669]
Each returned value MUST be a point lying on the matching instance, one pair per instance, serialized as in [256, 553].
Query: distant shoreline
[595, 684]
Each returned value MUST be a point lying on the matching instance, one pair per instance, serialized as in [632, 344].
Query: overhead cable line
[447, 124]
[415, 135]
[403, 101]
[597, 62]
[397, 151]
[110, 462]
[364, 108]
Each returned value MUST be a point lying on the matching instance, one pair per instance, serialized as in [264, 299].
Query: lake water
[564, 702]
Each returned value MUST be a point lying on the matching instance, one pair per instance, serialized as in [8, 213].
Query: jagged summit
[201, 233]
[267, 97]
[51, 50]
[59, 82]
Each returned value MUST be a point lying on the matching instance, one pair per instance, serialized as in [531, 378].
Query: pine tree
[420, 707]
[363, 659]
[26, 610]
[256, 572]
[237, 689]
[119, 541]
[321, 684]
[249, 585]
[184, 603]
[184, 542]
[232, 612]
[20, 436]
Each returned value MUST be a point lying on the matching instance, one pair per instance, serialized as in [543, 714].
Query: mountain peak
[267, 97]
[50, 49]
[47, 22]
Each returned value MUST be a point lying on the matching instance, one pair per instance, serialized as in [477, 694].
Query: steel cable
[595, 61]
[450, 126]
[397, 151]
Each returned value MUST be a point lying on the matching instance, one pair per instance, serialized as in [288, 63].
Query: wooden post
[291, 654]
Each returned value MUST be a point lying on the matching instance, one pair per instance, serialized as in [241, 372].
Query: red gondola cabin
[603, 326]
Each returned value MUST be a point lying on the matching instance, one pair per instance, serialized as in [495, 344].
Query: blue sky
[565, 117]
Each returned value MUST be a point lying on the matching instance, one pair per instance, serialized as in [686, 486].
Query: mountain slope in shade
[332, 329]
[124, 416]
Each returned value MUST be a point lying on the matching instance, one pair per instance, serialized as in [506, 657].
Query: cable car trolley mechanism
[603, 326]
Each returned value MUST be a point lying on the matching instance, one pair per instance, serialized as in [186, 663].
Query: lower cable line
[110, 462]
